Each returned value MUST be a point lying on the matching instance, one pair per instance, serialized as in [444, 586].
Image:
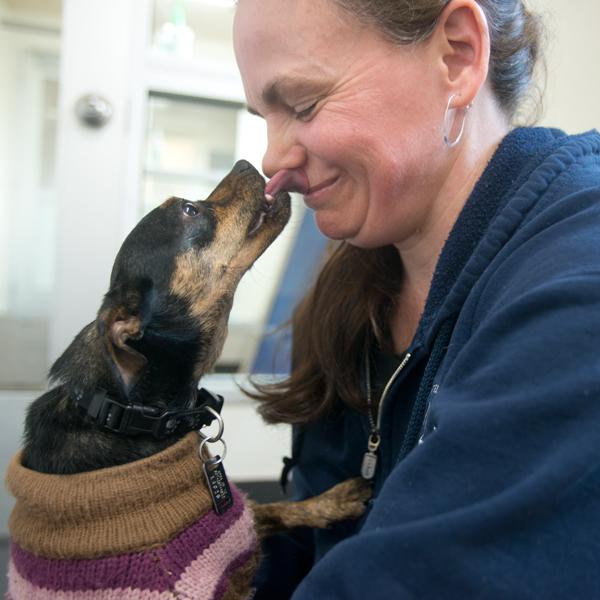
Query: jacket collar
[519, 153]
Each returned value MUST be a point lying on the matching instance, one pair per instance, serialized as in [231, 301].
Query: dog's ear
[122, 318]
[117, 328]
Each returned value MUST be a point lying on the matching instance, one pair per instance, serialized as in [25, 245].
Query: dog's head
[174, 277]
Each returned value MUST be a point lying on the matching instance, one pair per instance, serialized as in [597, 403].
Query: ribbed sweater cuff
[111, 511]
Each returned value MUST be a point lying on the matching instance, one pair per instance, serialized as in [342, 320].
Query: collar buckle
[141, 419]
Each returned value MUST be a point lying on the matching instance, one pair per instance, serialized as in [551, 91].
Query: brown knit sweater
[148, 527]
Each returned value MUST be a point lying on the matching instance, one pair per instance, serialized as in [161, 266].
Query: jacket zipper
[370, 459]
[388, 385]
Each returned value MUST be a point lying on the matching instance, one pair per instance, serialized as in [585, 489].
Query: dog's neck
[167, 378]
[60, 438]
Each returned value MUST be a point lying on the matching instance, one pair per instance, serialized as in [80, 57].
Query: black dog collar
[141, 419]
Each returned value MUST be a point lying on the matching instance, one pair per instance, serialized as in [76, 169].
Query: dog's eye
[191, 210]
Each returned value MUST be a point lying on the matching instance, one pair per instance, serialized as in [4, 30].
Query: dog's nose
[241, 166]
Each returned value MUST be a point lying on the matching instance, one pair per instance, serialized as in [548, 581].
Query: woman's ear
[462, 39]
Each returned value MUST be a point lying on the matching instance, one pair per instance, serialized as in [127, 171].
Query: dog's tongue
[289, 180]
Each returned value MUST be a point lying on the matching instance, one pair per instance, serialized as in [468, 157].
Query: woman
[466, 284]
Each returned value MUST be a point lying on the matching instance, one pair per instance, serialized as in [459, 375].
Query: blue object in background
[273, 355]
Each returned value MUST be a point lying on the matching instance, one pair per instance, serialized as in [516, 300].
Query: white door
[167, 71]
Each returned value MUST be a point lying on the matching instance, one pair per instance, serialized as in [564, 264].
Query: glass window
[191, 145]
[198, 30]
[29, 65]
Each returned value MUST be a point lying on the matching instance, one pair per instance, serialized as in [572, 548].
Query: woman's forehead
[283, 10]
[279, 40]
[291, 23]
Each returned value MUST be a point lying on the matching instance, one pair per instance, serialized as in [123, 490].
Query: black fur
[147, 344]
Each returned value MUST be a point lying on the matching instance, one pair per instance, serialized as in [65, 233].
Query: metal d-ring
[212, 460]
[219, 434]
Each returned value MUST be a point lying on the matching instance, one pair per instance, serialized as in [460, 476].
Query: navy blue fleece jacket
[488, 484]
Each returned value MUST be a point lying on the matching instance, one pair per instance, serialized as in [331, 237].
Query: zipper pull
[369, 461]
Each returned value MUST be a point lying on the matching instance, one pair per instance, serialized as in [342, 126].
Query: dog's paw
[349, 498]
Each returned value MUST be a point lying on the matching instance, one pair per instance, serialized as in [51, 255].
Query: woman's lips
[321, 186]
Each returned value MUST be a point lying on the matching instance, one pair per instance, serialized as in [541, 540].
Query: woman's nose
[282, 154]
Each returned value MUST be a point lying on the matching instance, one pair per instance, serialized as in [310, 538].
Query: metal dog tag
[369, 464]
[218, 485]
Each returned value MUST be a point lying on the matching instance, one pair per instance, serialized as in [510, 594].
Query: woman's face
[358, 116]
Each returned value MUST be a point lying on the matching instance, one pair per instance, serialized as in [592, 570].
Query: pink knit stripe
[21, 589]
[202, 577]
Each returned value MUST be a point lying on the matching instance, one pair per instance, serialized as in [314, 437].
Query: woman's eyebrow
[277, 90]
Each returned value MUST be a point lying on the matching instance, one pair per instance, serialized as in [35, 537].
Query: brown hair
[355, 292]
[515, 37]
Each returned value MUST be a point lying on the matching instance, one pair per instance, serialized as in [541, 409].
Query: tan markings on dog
[241, 581]
[206, 278]
[203, 277]
[197, 279]
[221, 192]
[123, 330]
[216, 330]
[121, 325]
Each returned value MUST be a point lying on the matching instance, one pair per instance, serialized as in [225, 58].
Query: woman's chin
[332, 225]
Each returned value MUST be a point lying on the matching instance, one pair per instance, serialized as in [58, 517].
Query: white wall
[20, 78]
[572, 48]
[5, 113]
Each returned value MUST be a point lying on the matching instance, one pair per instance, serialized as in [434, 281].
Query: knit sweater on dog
[144, 530]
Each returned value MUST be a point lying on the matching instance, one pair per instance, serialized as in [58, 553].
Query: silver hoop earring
[449, 124]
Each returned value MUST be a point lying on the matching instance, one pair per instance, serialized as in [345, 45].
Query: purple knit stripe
[135, 570]
[239, 562]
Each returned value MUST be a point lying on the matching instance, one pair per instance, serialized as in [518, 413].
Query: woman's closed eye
[305, 113]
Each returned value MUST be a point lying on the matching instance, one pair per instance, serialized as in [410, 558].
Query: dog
[117, 494]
